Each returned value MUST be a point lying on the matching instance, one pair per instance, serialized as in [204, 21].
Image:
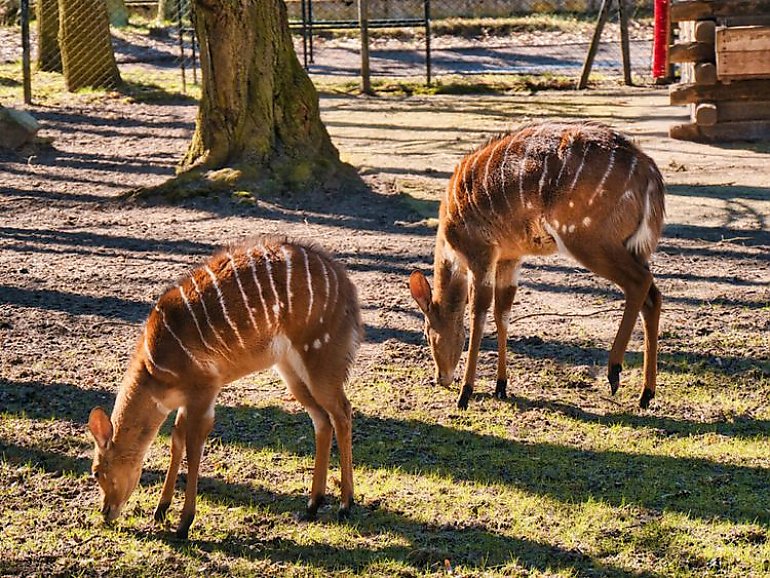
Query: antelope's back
[587, 170]
[237, 310]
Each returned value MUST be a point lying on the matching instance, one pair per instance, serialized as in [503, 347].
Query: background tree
[88, 59]
[48, 54]
[118, 12]
[259, 112]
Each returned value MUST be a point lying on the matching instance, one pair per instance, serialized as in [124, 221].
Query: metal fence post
[25, 52]
[363, 22]
[426, 5]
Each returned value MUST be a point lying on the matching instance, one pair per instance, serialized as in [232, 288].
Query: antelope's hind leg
[323, 437]
[506, 283]
[618, 265]
[651, 314]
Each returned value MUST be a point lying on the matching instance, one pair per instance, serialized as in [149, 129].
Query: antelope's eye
[95, 474]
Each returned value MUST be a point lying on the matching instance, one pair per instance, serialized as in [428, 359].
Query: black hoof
[183, 531]
[614, 377]
[160, 512]
[500, 389]
[343, 514]
[647, 395]
[312, 509]
[465, 396]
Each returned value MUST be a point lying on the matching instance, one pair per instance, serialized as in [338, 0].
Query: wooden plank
[704, 9]
[743, 39]
[743, 52]
[705, 31]
[741, 65]
[742, 110]
[744, 90]
[705, 114]
[691, 52]
[743, 131]
[705, 73]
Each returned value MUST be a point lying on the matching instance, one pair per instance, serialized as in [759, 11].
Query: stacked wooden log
[724, 53]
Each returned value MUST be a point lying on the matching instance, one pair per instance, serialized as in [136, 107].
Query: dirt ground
[80, 269]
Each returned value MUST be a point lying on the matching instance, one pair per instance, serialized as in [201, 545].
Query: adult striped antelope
[268, 302]
[580, 189]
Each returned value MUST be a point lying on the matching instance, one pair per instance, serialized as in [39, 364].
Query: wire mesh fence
[90, 43]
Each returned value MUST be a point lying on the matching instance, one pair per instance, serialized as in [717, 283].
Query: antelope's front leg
[506, 283]
[200, 422]
[481, 292]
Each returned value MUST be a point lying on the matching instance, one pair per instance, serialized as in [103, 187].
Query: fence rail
[434, 38]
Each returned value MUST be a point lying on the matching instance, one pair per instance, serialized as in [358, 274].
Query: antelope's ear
[420, 289]
[100, 426]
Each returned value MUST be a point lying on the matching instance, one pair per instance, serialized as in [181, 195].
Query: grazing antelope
[580, 189]
[268, 302]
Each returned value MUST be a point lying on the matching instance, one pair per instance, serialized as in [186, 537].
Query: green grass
[559, 481]
[139, 86]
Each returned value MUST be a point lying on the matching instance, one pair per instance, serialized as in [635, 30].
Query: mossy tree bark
[88, 59]
[48, 55]
[259, 110]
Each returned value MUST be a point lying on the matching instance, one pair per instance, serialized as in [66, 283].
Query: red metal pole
[660, 46]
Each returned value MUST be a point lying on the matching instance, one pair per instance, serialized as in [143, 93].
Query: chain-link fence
[89, 43]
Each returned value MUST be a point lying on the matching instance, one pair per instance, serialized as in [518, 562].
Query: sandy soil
[79, 270]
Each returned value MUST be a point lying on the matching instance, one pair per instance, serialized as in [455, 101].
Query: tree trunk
[48, 54]
[87, 55]
[259, 110]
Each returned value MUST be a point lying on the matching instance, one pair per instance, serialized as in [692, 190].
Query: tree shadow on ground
[422, 545]
[696, 487]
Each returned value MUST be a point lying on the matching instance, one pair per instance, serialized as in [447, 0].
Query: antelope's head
[444, 329]
[117, 475]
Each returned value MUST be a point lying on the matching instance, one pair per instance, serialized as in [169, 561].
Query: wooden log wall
[724, 54]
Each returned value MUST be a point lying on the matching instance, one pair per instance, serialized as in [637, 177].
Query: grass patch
[559, 481]
[482, 84]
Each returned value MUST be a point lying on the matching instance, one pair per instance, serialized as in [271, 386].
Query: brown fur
[265, 302]
[581, 188]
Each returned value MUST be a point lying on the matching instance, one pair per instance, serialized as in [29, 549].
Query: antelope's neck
[136, 417]
[450, 276]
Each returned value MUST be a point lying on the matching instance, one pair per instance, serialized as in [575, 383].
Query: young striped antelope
[580, 189]
[269, 302]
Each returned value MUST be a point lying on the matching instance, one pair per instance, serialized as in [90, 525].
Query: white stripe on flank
[277, 304]
[243, 293]
[287, 259]
[176, 337]
[469, 189]
[542, 176]
[634, 161]
[564, 164]
[152, 361]
[503, 164]
[208, 317]
[253, 267]
[523, 164]
[580, 168]
[600, 187]
[643, 241]
[326, 285]
[195, 321]
[486, 173]
[309, 284]
[456, 195]
[224, 307]
[336, 288]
